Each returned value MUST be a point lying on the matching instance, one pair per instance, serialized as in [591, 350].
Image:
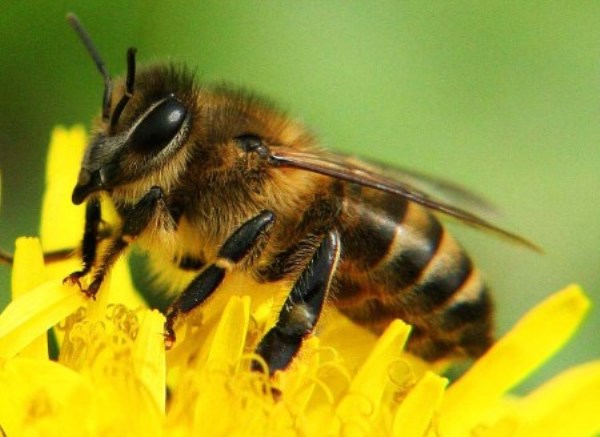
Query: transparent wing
[347, 169]
[437, 187]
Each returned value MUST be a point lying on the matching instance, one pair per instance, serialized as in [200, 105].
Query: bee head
[142, 132]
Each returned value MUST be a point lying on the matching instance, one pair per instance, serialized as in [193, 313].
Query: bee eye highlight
[158, 127]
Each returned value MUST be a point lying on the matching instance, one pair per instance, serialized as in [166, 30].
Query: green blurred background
[503, 97]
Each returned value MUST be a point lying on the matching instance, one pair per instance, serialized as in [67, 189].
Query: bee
[211, 180]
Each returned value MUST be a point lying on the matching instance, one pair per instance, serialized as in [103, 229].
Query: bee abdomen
[423, 277]
[442, 277]
[462, 326]
[368, 236]
[396, 238]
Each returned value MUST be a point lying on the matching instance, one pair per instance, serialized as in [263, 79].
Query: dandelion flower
[113, 376]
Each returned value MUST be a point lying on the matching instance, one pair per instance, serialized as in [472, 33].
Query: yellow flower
[113, 376]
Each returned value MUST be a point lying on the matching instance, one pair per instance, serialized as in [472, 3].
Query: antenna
[129, 86]
[89, 45]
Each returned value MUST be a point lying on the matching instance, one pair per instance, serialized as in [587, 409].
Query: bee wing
[345, 169]
[433, 186]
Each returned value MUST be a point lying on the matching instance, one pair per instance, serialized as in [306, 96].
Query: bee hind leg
[301, 309]
[245, 240]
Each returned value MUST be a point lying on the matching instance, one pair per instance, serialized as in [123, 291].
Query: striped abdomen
[400, 262]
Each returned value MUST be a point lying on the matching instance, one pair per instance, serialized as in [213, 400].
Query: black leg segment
[135, 220]
[302, 308]
[89, 244]
[244, 240]
[93, 214]
[138, 217]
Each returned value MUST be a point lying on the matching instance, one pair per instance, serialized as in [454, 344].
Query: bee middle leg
[302, 308]
[236, 248]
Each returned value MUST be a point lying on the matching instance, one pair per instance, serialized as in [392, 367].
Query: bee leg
[235, 249]
[302, 308]
[90, 241]
[49, 257]
[135, 221]
[92, 235]
[6, 258]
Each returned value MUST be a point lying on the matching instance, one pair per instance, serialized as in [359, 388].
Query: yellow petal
[117, 288]
[566, 405]
[372, 377]
[96, 308]
[298, 381]
[28, 272]
[414, 415]
[28, 266]
[149, 356]
[40, 397]
[537, 336]
[228, 343]
[31, 315]
[121, 287]
[62, 222]
[368, 385]
[206, 395]
[113, 353]
[354, 342]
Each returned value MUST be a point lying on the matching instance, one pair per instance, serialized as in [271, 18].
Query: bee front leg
[235, 249]
[90, 241]
[302, 308]
[135, 220]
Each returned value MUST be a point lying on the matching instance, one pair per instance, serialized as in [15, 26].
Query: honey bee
[214, 179]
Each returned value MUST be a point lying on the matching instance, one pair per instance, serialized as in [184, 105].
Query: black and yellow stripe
[400, 262]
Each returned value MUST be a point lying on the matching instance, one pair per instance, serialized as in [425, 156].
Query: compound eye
[159, 126]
